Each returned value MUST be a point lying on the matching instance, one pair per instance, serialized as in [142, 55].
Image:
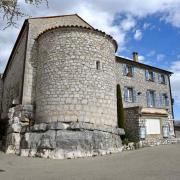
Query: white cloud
[175, 66]
[146, 25]
[141, 58]
[151, 53]
[174, 17]
[160, 57]
[102, 15]
[138, 35]
[175, 81]
[149, 26]
[128, 23]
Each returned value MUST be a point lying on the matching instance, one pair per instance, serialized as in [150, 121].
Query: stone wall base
[161, 141]
[58, 140]
[73, 140]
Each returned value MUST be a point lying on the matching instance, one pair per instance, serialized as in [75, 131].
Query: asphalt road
[155, 163]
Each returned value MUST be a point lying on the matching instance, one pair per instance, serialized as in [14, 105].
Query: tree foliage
[120, 110]
[10, 9]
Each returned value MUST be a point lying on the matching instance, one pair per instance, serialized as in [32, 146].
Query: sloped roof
[126, 60]
[85, 28]
[61, 16]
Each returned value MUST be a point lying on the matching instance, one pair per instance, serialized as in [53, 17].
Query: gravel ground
[155, 163]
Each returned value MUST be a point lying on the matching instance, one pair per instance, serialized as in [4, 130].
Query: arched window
[98, 65]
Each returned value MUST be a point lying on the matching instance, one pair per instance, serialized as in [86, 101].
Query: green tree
[10, 10]
[120, 110]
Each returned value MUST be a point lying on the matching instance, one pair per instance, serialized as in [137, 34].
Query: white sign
[153, 126]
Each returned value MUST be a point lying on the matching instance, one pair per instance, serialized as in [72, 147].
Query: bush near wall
[120, 110]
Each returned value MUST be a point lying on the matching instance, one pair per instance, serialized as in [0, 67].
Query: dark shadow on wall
[120, 109]
[1, 170]
[3, 132]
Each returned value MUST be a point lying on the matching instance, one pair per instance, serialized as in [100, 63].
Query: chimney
[135, 56]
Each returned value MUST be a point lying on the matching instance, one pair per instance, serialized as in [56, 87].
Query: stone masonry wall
[141, 85]
[36, 26]
[134, 119]
[58, 140]
[132, 123]
[69, 87]
[177, 131]
[13, 81]
[1, 91]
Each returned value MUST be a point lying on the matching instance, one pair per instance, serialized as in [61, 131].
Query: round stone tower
[76, 109]
[76, 76]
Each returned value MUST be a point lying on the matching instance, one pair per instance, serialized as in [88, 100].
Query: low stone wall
[59, 140]
[177, 131]
[150, 143]
[157, 142]
[20, 119]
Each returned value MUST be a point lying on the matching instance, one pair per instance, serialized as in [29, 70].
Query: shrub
[120, 110]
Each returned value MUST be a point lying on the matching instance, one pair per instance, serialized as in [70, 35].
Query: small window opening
[98, 65]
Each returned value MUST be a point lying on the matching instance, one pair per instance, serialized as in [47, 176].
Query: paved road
[156, 163]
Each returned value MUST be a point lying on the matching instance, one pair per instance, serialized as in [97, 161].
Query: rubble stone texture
[75, 113]
[69, 143]
[59, 140]
[69, 87]
[19, 121]
[64, 73]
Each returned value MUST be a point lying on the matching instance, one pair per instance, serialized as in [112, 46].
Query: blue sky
[151, 28]
[158, 46]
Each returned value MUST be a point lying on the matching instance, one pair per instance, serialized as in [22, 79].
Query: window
[164, 100]
[151, 98]
[98, 65]
[129, 94]
[128, 70]
[150, 75]
[162, 79]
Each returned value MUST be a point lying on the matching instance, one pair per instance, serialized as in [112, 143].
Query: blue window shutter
[160, 100]
[159, 78]
[166, 79]
[124, 69]
[167, 101]
[148, 98]
[133, 70]
[147, 74]
[125, 94]
[154, 76]
[134, 96]
[155, 100]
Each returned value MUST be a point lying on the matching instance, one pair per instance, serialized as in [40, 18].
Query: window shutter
[155, 100]
[154, 76]
[125, 94]
[133, 70]
[159, 78]
[134, 96]
[124, 69]
[148, 99]
[166, 79]
[167, 101]
[147, 74]
[160, 100]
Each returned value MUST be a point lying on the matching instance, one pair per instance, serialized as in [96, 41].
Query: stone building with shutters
[147, 100]
[59, 91]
